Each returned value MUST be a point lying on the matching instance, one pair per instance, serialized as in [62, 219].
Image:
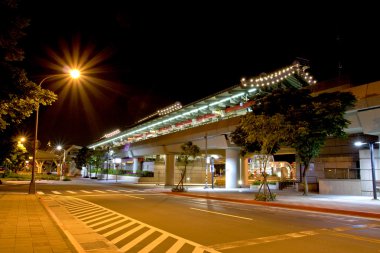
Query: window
[342, 173]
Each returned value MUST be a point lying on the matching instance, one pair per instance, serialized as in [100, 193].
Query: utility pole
[206, 182]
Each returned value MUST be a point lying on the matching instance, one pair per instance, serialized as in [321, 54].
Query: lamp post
[371, 144]
[32, 186]
[59, 147]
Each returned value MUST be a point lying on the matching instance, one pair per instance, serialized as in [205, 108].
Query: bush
[175, 189]
[265, 197]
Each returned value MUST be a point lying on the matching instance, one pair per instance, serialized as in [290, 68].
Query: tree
[83, 157]
[314, 119]
[188, 150]
[262, 134]
[17, 156]
[18, 96]
[97, 158]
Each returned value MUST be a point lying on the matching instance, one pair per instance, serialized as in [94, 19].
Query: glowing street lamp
[370, 144]
[59, 147]
[32, 187]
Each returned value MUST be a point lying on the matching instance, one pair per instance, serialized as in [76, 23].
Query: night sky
[150, 56]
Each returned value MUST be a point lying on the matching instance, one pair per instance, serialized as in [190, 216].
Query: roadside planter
[126, 179]
[121, 178]
[256, 185]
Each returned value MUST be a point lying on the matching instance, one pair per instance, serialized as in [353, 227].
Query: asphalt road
[136, 219]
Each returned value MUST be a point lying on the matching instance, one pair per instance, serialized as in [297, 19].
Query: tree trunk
[306, 187]
[180, 183]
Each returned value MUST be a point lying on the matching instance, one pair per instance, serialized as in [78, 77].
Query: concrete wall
[340, 187]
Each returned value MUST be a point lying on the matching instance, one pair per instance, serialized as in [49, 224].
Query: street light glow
[359, 143]
[75, 73]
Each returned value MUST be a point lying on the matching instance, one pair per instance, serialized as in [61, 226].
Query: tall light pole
[32, 186]
[371, 144]
[59, 147]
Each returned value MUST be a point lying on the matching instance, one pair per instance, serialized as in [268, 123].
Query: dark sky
[152, 55]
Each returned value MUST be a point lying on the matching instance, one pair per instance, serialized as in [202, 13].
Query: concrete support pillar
[366, 170]
[136, 165]
[244, 171]
[232, 168]
[169, 170]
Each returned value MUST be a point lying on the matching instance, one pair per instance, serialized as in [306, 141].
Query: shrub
[179, 189]
[265, 197]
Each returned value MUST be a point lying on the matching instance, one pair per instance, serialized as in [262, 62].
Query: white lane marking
[230, 215]
[133, 196]
[112, 191]
[99, 191]
[85, 191]
[40, 192]
[56, 192]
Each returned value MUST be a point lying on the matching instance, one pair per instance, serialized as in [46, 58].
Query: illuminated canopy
[234, 101]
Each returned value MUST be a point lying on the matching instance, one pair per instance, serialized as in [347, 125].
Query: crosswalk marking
[137, 240]
[118, 229]
[93, 214]
[106, 226]
[100, 218]
[176, 246]
[113, 224]
[92, 192]
[124, 235]
[154, 244]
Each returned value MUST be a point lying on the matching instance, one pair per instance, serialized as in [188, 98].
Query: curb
[68, 235]
[281, 205]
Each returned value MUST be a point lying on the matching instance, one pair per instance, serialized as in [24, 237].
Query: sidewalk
[27, 227]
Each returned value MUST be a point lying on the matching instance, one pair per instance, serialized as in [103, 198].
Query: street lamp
[59, 147]
[74, 73]
[370, 144]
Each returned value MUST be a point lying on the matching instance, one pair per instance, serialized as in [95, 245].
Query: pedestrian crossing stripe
[140, 234]
[91, 192]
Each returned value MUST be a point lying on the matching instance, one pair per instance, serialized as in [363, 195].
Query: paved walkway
[27, 227]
